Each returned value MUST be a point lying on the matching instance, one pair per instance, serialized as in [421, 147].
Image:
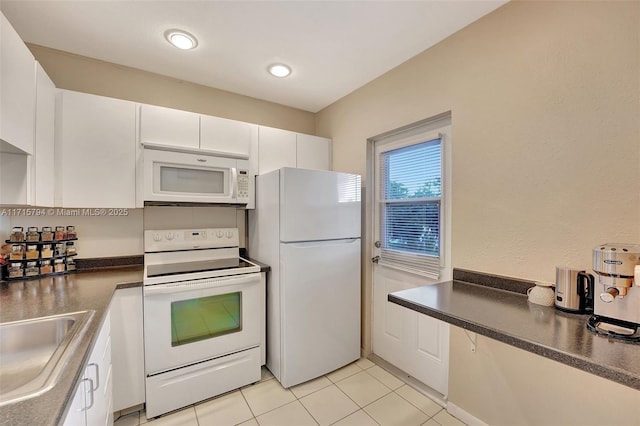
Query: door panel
[318, 205]
[413, 342]
[320, 308]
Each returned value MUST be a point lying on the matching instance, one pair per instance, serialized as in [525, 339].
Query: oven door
[193, 321]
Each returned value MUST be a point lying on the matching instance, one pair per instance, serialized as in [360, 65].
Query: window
[410, 185]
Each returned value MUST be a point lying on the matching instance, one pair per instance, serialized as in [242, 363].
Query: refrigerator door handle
[323, 243]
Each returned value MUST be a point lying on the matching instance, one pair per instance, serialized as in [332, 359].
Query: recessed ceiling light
[279, 70]
[181, 39]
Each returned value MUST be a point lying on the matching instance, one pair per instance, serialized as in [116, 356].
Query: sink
[34, 352]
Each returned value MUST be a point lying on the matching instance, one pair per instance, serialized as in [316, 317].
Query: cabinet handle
[91, 392]
[97, 375]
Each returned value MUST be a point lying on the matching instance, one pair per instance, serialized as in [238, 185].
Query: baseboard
[464, 416]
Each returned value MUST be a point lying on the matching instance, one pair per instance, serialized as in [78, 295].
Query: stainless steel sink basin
[34, 352]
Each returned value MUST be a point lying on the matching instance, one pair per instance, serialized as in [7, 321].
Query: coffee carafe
[616, 310]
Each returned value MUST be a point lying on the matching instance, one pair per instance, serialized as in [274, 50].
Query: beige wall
[82, 74]
[503, 385]
[545, 102]
[545, 105]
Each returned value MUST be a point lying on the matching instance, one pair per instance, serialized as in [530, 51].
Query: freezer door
[318, 205]
[320, 294]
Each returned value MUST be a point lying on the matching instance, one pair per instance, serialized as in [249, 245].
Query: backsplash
[111, 236]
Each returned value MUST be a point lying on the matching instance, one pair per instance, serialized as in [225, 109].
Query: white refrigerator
[306, 226]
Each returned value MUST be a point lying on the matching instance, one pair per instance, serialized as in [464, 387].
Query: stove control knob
[157, 237]
[229, 234]
[169, 236]
[219, 234]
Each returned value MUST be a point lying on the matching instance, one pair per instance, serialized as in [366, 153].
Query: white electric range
[203, 316]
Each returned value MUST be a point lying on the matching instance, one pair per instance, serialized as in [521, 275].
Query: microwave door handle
[234, 183]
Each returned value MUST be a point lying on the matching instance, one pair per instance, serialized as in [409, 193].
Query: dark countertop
[61, 294]
[508, 317]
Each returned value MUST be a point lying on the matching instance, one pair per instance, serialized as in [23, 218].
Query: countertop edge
[93, 335]
[616, 375]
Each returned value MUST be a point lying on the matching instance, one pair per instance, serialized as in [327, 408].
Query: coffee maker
[616, 310]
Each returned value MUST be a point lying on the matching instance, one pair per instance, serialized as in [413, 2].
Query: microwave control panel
[243, 184]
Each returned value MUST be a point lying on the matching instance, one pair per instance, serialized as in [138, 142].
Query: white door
[192, 321]
[319, 205]
[411, 226]
[320, 295]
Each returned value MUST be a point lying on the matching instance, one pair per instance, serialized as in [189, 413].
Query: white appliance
[172, 176]
[306, 226]
[204, 315]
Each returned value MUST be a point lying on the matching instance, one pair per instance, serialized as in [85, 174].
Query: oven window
[205, 318]
[196, 181]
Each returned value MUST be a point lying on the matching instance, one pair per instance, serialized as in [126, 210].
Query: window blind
[410, 203]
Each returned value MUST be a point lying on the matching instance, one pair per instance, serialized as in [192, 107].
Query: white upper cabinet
[277, 148]
[166, 126]
[282, 148]
[43, 162]
[95, 151]
[313, 152]
[226, 136]
[17, 92]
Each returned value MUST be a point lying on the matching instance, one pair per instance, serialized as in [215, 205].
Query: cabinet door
[98, 389]
[225, 136]
[42, 164]
[313, 152]
[166, 126]
[127, 348]
[76, 412]
[17, 91]
[277, 148]
[95, 152]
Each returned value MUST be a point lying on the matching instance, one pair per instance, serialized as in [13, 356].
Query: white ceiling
[334, 47]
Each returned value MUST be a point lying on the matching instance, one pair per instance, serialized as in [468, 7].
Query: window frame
[412, 135]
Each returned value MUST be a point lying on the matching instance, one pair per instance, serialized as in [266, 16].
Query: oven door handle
[203, 284]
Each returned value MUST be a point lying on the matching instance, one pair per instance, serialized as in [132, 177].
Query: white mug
[542, 294]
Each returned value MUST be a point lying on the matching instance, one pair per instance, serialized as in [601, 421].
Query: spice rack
[38, 254]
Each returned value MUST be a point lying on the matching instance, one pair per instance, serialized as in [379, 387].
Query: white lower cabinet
[127, 348]
[92, 404]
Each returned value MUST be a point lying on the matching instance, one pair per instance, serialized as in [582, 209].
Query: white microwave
[185, 177]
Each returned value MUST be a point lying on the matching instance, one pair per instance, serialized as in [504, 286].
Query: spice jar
[59, 249]
[71, 233]
[32, 234]
[71, 265]
[58, 265]
[31, 253]
[17, 252]
[46, 251]
[15, 270]
[61, 234]
[46, 267]
[17, 235]
[71, 249]
[47, 234]
[31, 269]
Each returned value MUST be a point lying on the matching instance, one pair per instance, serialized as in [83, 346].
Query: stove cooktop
[168, 269]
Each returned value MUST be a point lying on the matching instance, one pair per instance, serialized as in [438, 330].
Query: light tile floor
[360, 394]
